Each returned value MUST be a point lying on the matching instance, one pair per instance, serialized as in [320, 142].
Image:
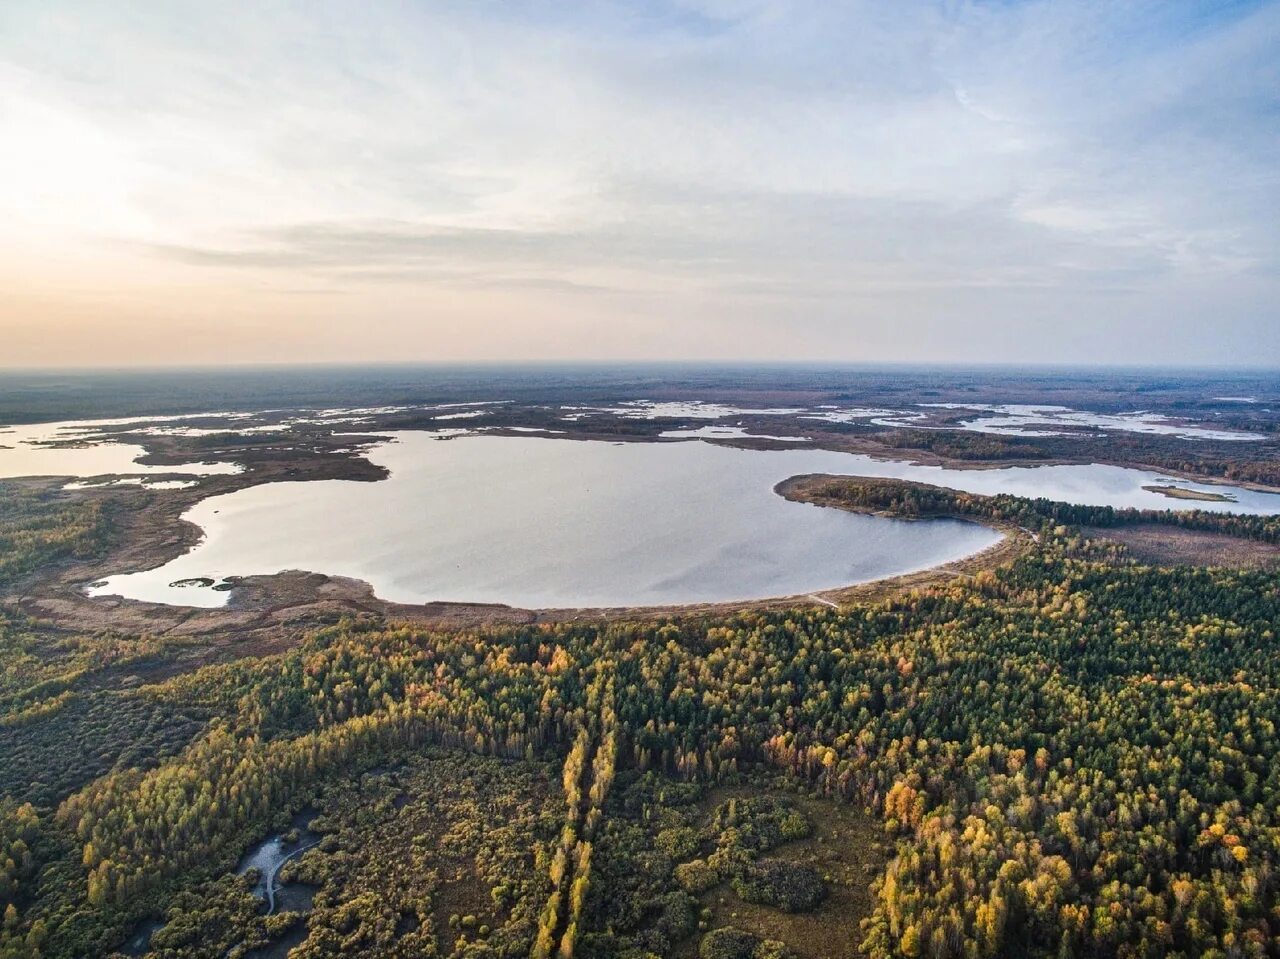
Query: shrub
[784, 885]
[728, 943]
[773, 949]
[679, 843]
[697, 876]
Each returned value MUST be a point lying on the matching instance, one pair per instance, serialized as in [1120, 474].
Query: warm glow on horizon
[1044, 181]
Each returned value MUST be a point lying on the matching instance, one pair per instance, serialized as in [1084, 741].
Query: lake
[541, 522]
[77, 449]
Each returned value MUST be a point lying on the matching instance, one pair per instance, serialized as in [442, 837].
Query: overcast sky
[678, 179]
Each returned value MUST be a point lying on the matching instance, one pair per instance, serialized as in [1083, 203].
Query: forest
[38, 527]
[1210, 460]
[920, 500]
[1073, 754]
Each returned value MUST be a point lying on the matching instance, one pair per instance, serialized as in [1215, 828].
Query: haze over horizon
[1027, 182]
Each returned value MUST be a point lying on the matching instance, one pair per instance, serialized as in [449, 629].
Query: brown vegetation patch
[846, 846]
[1179, 492]
[1170, 546]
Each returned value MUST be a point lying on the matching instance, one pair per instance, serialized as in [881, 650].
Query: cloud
[690, 154]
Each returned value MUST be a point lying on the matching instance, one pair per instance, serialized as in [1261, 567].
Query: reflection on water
[1014, 420]
[270, 855]
[555, 523]
[728, 433]
[545, 522]
[75, 449]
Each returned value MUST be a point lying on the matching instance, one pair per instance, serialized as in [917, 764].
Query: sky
[1061, 181]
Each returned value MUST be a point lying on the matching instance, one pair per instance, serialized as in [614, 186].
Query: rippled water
[539, 522]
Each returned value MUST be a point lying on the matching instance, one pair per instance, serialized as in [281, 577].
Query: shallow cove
[536, 522]
[74, 448]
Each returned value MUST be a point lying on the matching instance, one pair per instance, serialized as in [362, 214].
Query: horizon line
[619, 363]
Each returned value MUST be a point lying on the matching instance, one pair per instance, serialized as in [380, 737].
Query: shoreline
[263, 612]
[800, 489]
[267, 613]
[287, 440]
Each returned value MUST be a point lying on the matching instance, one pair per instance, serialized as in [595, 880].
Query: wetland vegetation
[1179, 492]
[1075, 753]
[1071, 751]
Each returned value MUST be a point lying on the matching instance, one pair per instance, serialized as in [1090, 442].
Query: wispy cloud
[983, 166]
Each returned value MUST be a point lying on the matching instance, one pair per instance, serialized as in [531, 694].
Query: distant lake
[538, 522]
[76, 449]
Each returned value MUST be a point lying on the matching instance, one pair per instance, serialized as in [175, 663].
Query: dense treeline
[38, 527]
[1237, 462]
[903, 498]
[60, 727]
[1069, 757]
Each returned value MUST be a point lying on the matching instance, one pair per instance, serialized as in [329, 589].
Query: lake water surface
[538, 522]
[76, 449]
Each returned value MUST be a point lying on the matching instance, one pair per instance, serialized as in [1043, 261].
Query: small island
[1178, 492]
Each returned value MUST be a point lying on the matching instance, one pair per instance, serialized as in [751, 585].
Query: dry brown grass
[1179, 492]
[846, 846]
[1169, 546]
